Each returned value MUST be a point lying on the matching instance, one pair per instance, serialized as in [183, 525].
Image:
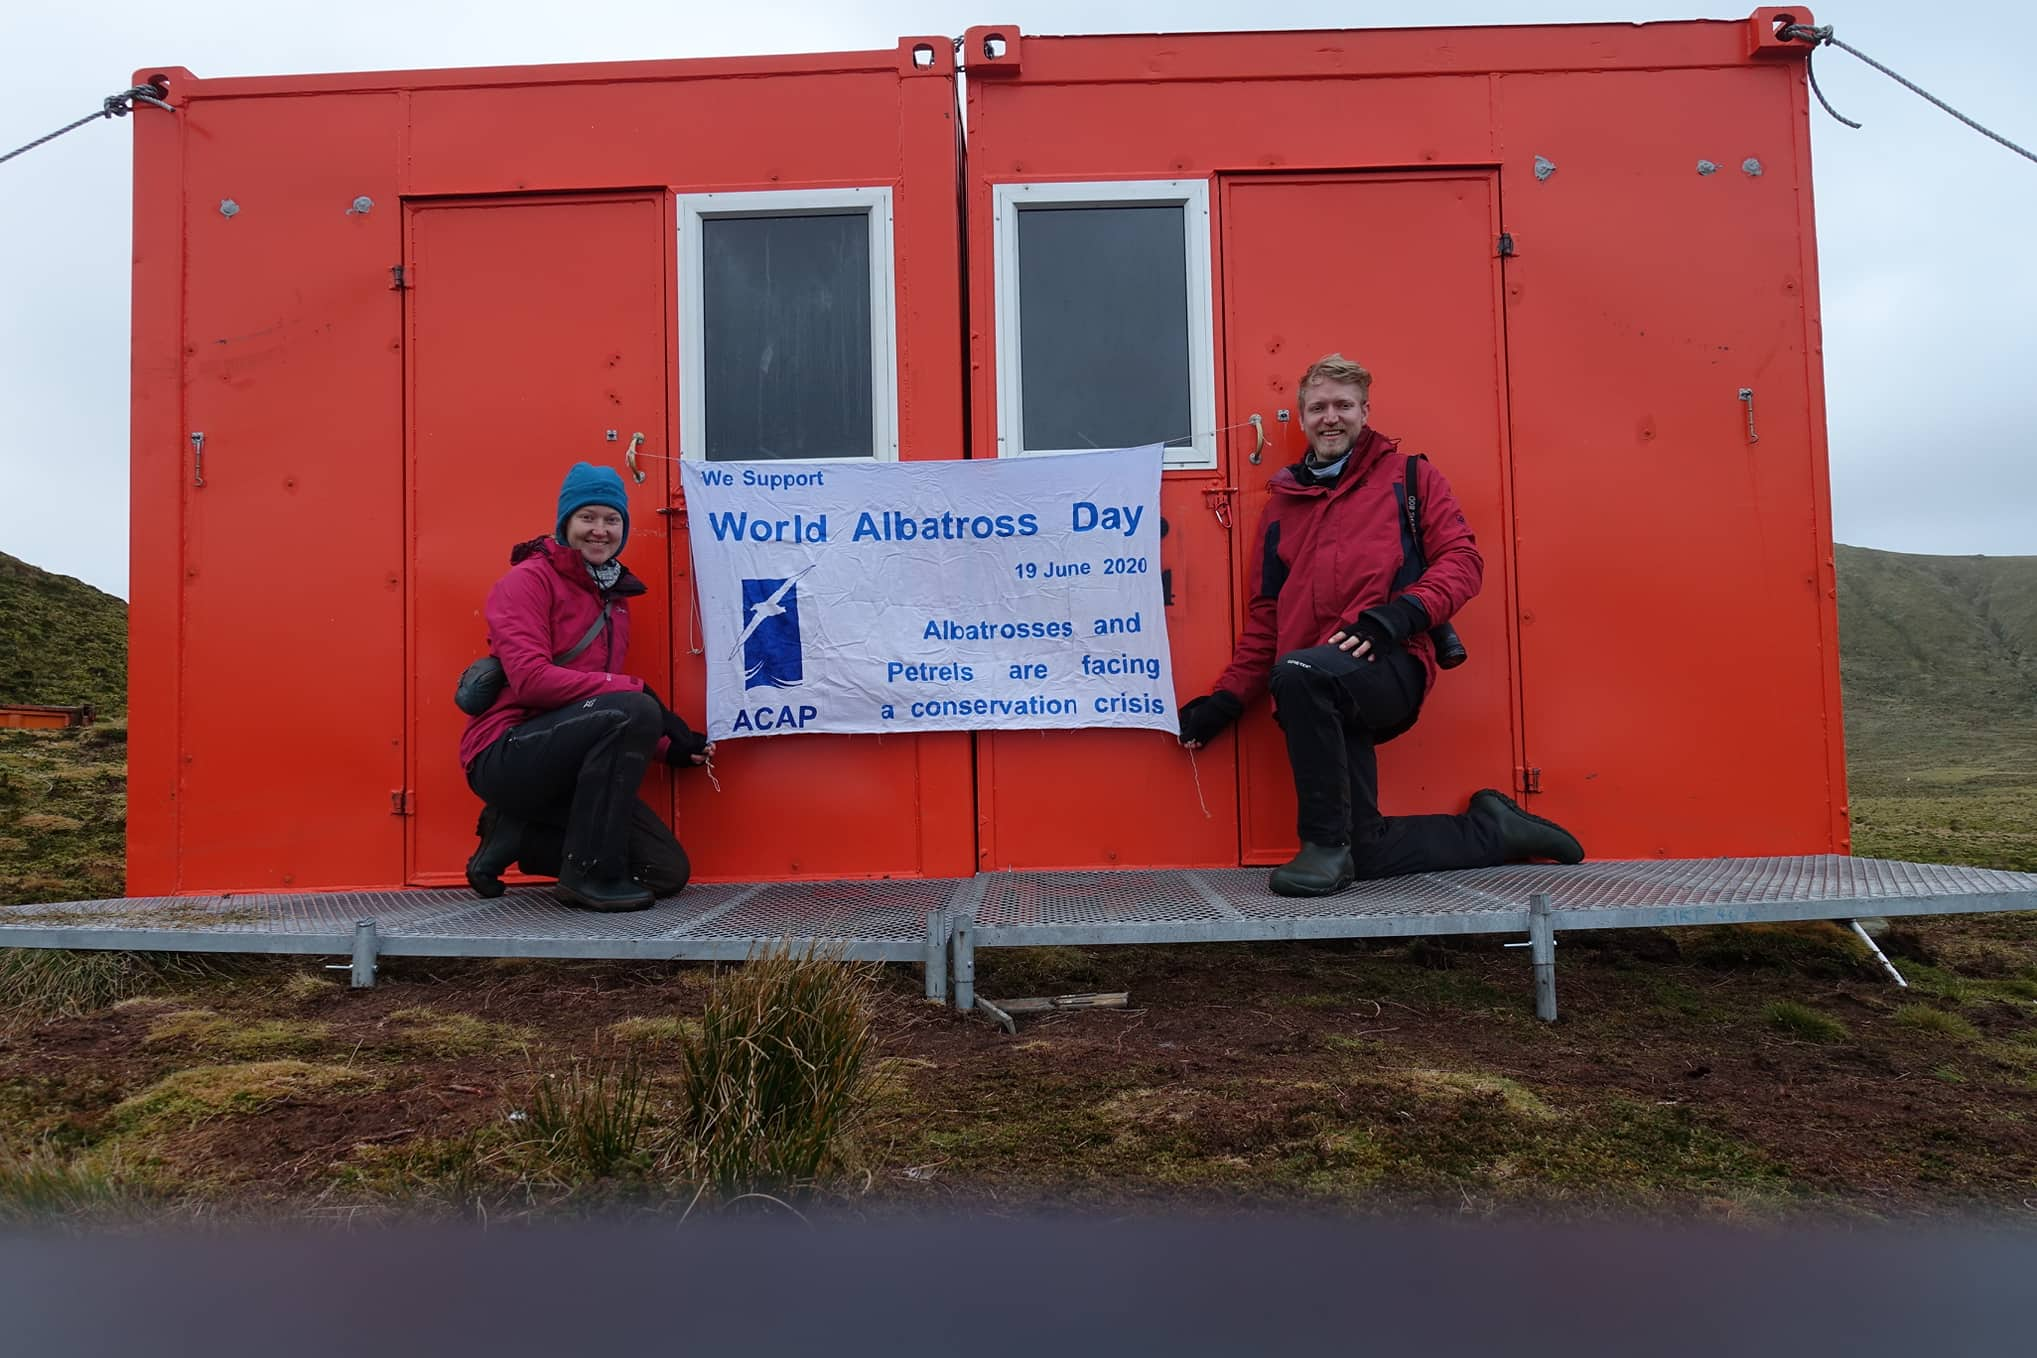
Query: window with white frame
[787, 347]
[1103, 318]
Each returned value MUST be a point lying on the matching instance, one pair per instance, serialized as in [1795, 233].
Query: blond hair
[1333, 368]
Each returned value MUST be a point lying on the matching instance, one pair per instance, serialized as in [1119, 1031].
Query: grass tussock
[598, 1119]
[1803, 1022]
[1931, 1019]
[48, 1184]
[778, 1075]
[46, 983]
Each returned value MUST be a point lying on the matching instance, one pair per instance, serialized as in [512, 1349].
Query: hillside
[1938, 656]
[61, 641]
[1954, 632]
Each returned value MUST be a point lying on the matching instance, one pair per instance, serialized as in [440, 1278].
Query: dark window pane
[787, 336]
[1103, 326]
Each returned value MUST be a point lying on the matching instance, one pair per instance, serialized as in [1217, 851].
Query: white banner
[931, 596]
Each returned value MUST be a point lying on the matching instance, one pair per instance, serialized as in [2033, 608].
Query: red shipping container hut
[376, 316]
[1579, 261]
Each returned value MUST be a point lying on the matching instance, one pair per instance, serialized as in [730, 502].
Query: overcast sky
[1924, 227]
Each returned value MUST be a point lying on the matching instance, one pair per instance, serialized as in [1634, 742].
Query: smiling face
[1332, 417]
[595, 531]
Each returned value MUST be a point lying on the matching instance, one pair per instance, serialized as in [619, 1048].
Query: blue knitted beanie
[586, 485]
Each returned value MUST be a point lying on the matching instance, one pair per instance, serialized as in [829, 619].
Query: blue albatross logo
[770, 640]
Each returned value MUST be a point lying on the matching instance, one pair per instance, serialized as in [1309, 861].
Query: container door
[788, 343]
[1105, 330]
[290, 746]
[1674, 548]
[537, 338]
[1399, 272]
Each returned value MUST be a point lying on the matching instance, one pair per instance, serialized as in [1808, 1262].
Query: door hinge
[397, 281]
[402, 802]
[1527, 779]
[1506, 245]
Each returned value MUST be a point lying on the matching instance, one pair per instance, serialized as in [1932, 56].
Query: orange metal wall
[1657, 636]
[1656, 643]
[371, 452]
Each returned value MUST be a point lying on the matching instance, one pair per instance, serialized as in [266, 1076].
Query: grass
[1803, 1022]
[1931, 1019]
[44, 983]
[1807, 947]
[776, 1078]
[597, 1119]
[63, 814]
[49, 1183]
[64, 643]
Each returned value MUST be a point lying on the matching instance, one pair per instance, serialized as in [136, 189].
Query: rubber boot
[579, 887]
[1318, 870]
[1524, 836]
[500, 838]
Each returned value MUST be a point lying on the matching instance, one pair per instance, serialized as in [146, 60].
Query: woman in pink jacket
[559, 756]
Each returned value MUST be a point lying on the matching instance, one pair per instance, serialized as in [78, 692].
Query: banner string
[1195, 771]
[1177, 438]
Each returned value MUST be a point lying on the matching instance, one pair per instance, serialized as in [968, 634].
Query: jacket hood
[1367, 453]
[571, 567]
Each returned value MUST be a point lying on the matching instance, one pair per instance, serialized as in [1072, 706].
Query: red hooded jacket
[1324, 555]
[543, 606]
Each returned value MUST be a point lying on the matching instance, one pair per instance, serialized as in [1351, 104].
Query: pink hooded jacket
[543, 606]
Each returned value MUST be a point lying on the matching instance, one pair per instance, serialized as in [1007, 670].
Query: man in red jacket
[1347, 653]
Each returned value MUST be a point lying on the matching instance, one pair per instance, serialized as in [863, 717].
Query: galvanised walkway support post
[364, 955]
[1542, 953]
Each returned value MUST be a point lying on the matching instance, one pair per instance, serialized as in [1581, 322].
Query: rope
[1225, 429]
[113, 106]
[1821, 36]
[1196, 772]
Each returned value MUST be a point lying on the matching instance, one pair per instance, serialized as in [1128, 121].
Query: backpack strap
[587, 640]
[1413, 560]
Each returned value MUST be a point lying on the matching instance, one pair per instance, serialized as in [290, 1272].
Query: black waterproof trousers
[1334, 709]
[572, 776]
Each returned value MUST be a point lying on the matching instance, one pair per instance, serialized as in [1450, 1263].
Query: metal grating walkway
[943, 922]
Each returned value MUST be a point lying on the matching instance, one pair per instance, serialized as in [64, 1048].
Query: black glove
[1389, 623]
[683, 742]
[1204, 718]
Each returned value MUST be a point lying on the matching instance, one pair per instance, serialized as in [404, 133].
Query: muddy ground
[1752, 1073]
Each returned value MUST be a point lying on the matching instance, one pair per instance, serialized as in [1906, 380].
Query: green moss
[186, 1098]
[1453, 1085]
[431, 1032]
[647, 1031]
[203, 1030]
